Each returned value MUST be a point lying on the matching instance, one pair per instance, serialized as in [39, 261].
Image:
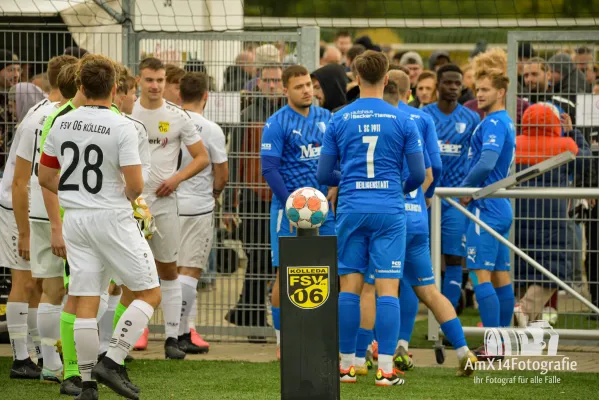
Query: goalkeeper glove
[144, 218]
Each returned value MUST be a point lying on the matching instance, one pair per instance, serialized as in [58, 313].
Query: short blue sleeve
[412, 141]
[427, 160]
[431, 140]
[329, 145]
[494, 133]
[273, 139]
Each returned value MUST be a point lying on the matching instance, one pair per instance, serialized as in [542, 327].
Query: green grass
[222, 380]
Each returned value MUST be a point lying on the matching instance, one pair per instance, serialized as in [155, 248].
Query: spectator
[253, 200]
[367, 43]
[426, 89]
[437, 59]
[41, 81]
[330, 84]
[413, 62]
[331, 55]
[24, 96]
[525, 53]
[352, 53]
[75, 51]
[566, 79]
[596, 87]
[583, 56]
[468, 80]
[395, 60]
[174, 75]
[547, 239]
[10, 72]
[480, 47]
[590, 73]
[267, 54]
[243, 70]
[343, 42]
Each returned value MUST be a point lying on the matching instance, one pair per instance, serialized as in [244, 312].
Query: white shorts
[165, 242]
[197, 233]
[106, 243]
[9, 242]
[44, 264]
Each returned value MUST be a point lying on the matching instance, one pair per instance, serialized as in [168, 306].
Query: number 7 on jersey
[371, 140]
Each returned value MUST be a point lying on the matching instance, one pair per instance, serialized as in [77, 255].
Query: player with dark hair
[371, 139]
[455, 124]
[291, 145]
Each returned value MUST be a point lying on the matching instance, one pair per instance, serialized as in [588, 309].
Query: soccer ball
[307, 208]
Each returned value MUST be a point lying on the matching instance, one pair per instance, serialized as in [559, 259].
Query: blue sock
[276, 317]
[507, 301]
[488, 304]
[364, 339]
[387, 324]
[349, 322]
[408, 302]
[452, 284]
[454, 332]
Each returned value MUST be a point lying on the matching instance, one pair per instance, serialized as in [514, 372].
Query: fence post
[130, 53]
[309, 47]
[433, 325]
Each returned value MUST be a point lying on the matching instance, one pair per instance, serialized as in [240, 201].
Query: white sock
[48, 319]
[171, 307]
[33, 332]
[386, 363]
[103, 306]
[360, 360]
[403, 343]
[129, 329]
[16, 319]
[191, 319]
[347, 360]
[188, 295]
[462, 351]
[86, 344]
[278, 334]
[105, 325]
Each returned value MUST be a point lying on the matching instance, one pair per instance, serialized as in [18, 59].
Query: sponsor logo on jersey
[322, 126]
[460, 127]
[450, 148]
[345, 116]
[266, 146]
[310, 151]
[163, 126]
[296, 132]
[162, 142]
[471, 252]
[308, 287]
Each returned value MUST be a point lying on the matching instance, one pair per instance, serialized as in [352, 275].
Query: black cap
[7, 58]
[525, 50]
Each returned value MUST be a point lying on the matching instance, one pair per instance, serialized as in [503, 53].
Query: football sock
[488, 304]
[507, 301]
[454, 332]
[105, 325]
[452, 284]
[387, 327]
[408, 302]
[276, 321]
[129, 329]
[16, 319]
[87, 344]
[103, 306]
[33, 331]
[171, 307]
[191, 319]
[403, 343]
[349, 325]
[48, 318]
[188, 294]
[364, 339]
[118, 313]
[67, 337]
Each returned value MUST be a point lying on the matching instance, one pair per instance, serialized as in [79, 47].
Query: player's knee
[387, 287]
[428, 294]
[451, 260]
[114, 290]
[54, 289]
[151, 296]
[191, 272]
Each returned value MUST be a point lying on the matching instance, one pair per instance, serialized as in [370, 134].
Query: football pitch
[260, 381]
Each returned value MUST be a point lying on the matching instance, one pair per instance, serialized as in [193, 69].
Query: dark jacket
[333, 81]
[244, 154]
[235, 78]
[466, 95]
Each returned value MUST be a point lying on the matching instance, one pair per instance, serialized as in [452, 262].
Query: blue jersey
[297, 141]
[495, 133]
[454, 132]
[417, 215]
[371, 139]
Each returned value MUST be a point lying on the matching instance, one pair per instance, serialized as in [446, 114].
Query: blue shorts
[483, 250]
[279, 226]
[453, 230]
[371, 244]
[418, 270]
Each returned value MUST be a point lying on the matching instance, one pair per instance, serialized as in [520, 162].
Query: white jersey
[194, 196]
[29, 150]
[143, 146]
[168, 126]
[91, 144]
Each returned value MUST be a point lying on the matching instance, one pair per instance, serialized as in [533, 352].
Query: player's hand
[592, 203]
[332, 197]
[465, 201]
[23, 245]
[57, 242]
[144, 218]
[167, 187]
[231, 221]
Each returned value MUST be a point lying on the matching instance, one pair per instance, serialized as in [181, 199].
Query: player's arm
[432, 148]
[144, 152]
[130, 163]
[220, 163]
[20, 193]
[414, 157]
[327, 173]
[271, 152]
[493, 140]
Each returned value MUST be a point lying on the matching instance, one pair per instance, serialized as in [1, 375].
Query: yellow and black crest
[163, 126]
[308, 287]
